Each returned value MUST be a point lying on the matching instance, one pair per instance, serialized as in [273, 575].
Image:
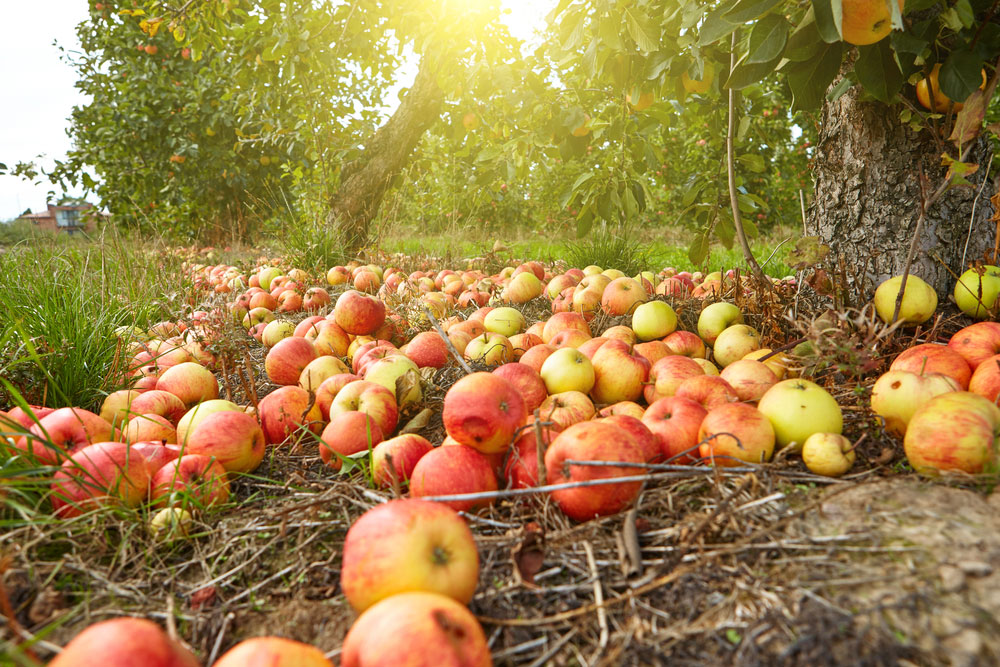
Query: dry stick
[218, 639]
[447, 341]
[802, 208]
[252, 388]
[602, 612]
[540, 447]
[755, 269]
[630, 537]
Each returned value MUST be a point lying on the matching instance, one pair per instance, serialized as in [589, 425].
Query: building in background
[69, 219]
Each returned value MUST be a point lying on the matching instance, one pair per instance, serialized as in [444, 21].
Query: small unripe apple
[829, 454]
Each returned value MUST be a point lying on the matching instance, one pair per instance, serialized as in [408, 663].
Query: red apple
[348, 433]
[191, 478]
[150, 427]
[124, 642]
[675, 421]
[749, 378]
[234, 439]
[272, 652]
[116, 407]
[619, 374]
[977, 342]
[563, 322]
[896, 395]
[622, 296]
[308, 326]
[100, 474]
[526, 381]
[319, 370]
[329, 339]
[446, 471]
[393, 460]
[371, 399]
[986, 380]
[483, 410]
[288, 413]
[711, 391]
[536, 356]
[736, 433]
[62, 433]
[934, 358]
[428, 349]
[955, 431]
[191, 382]
[521, 467]
[187, 423]
[622, 408]
[327, 391]
[567, 408]
[285, 361]
[667, 374]
[408, 545]
[359, 313]
[648, 443]
[653, 350]
[158, 402]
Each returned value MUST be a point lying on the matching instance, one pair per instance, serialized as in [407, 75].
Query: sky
[38, 92]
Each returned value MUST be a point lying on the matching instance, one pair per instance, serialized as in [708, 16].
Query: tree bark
[364, 182]
[868, 197]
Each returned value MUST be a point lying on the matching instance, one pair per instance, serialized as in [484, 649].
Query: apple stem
[862, 438]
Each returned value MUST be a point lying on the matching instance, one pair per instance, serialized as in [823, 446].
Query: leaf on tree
[529, 554]
[716, 25]
[878, 72]
[969, 119]
[768, 39]
[961, 74]
[810, 79]
[748, 10]
[808, 251]
[699, 249]
[829, 14]
[643, 32]
[958, 170]
[746, 73]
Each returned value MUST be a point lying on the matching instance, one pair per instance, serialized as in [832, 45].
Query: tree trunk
[868, 195]
[363, 183]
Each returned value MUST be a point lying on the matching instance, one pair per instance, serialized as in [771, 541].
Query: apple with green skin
[707, 366]
[273, 652]
[483, 411]
[453, 470]
[986, 380]
[734, 343]
[654, 319]
[116, 408]
[798, 408]
[567, 369]
[716, 318]
[829, 454]
[348, 433]
[267, 275]
[369, 398]
[359, 314]
[619, 374]
[956, 431]
[288, 413]
[593, 441]
[977, 342]
[527, 381]
[977, 290]
[393, 460]
[444, 631]
[97, 475]
[276, 331]
[686, 344]
[929, 358]
[490, 348]
[258, 315]
[667, 374]
[566, 408]
[734, 434]
[749, 378]
[918, 304]
[191, 478]
[507, 321]
[388, 372]
[896, 395]
[286, 360]
[558, 284]
[189, 381]
[234, 439]
[373, 349]
[587, 299]
[124, 642]
[319, 370]
[408, 545]
[329, 389]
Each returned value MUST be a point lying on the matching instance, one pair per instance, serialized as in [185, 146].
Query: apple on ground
[667, 374]
[428, 349]
[520, 468]
[675, 422]
[619, 373]
[189, 381]
[319, 369]
[124, 642]
[276, 331]
[408, 545]
[567, 408]
[734, 343]
[623, 333]
[98, 475]
[507, 321]
[686, 344]
[273, 652]
[393, 460]
[288, 413]
[734, 434]
[977, 342]
[564, 321]
[62, 433]
[536, 356]
[371, 399]
[798, 408]
[829, 454]
[116, 407]
[928, 358]
[286, 360]
[918, 304]
[647, 441]
[328, 390]
[358, 313]
[750, 379]
[400, 375]
[986, 380]
[150, 427]
[347, 434]
[957, 431]
[158, 402]
[483, 410]
[458, 469]
[191, 479]
[653, 350]
[716, 318]
[652, 320]
[490, 348]
[443, 631]
[527, 381]
[629, 408]
[622, 296]
[593, 441]
[190, 419]
[234, 439]
[897, 394]
[976, 291]
[569, 338]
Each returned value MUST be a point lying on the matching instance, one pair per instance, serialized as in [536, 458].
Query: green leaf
[963, 8]
[810, 79]
[748, 10]
[804, 42]
[960, 75]
[716, 25]
[840, 88]
[768, 39]
[752, 161]
[699, 249]
[905, 42]
[743, 127]
[643, 32]
[829, 14]
[878, 72]
[745, 74]
[608, 30]
[584, 222]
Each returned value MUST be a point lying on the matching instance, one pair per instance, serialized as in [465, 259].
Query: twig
[602, 613]
[540, 450]
[630, 537]
[802, 209]
[447, 341]
[545, 657]
[218, 638]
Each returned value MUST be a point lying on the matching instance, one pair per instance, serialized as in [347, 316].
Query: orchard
[307, 439]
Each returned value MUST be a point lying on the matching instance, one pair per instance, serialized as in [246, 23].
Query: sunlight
[525, 18]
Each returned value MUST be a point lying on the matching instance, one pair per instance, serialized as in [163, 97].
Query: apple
[116, 407]
[189, 381]
[193, 478]
[653, 350]
[674, 286]
[567, 369]
[272, 652]
[986, 380]
[263, 300]
[149, 427]
[522, 288]
[675, 422]
[369, 351]
[536, 356]
[829, 454]
[654, 319]
[977, 342]
[275, 331]
[750, 379]
[348, 433]
[622, 408]
[778, 363]
[234, 439]
[483, 410]
[648, 443]
[527, 381]
[358, 313]
[255, 316]
[309, 325]
[441, 630]
[896, 395]
[736, 433]
[25, 418]
[158, 402]
[667, 374]
[288, 413]
[918, 304]
[328, 390]
[507, 321]
[428, 349]
[711, 391]
[934, 358]
[170, 523]
[593, 441]
[686, 344]
[319, 370]
[976, 291]
[446, 471]
[124, 642]
[622, 296]
[798, 408]
[193, 417]
[408, 545]
[569, 338]
[369, 398]
[156, 454]
[566, 408]
[100, 474]
[393, 459]
[490, 348]
[716, 318]
[315, 298]
[954, 431]
[587, 298]
[286, 360]
[619, 374]
[734, 343]
[621, 332]
[520, 469]
[62, 433]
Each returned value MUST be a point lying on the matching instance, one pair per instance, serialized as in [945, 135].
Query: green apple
[798, 408]
[507, 321]
[918, 305]
[734, 343]
[714, 319]
[568, 369]
[653, 320]
[829, 454]
[976, 291]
